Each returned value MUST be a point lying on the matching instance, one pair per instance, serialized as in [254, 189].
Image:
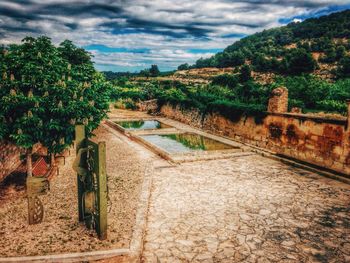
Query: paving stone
[264, 212]
[288, 243]
[248, 209]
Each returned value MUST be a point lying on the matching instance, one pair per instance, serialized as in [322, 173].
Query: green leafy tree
[145, 73]
[245, 74]
[228, 59]
[330, 55]
[298, 61]
[45, 91]
[225, 80]
[203, 63]
[344, 67]
[154, 71]
[340, 52]
[183, 66]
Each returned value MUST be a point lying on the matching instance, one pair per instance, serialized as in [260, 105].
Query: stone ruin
[278, 102]
[348, 102]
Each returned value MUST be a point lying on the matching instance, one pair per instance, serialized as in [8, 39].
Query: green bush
[312, 93]
[298, 61]
[332, 106]
[234, 110]
[343, 70]
[225, 80]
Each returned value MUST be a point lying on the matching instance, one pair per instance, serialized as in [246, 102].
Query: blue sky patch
[105, 49]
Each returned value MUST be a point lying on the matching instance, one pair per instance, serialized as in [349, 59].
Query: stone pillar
[348, 102]
[278, 102]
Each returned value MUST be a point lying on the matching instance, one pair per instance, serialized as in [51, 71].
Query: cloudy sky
[129, 35]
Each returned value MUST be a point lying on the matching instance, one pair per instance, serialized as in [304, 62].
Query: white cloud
[169, 28]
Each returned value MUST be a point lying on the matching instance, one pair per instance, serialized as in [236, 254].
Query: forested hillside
[315, 44]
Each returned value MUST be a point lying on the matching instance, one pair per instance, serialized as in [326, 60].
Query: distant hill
[316, 45]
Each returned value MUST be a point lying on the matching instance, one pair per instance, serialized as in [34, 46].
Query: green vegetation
[206, 98]
[183, 66]
[45, 90]
[344, 67]
[298, 61]
[313, 94]
[234, 95]
[269, 51]
[153, 71]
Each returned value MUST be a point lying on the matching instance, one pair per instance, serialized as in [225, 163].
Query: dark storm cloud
[201, 27]
[79, 9]
[174, 31]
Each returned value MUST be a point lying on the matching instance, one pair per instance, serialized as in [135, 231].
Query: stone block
[278, 102]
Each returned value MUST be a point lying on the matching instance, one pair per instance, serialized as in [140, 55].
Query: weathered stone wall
[320, 141]
[148, 106]
[278, 101]
[9, 158]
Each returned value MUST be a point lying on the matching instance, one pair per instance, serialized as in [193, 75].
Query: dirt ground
[60, 232]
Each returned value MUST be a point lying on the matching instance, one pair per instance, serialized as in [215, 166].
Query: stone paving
[246, 209]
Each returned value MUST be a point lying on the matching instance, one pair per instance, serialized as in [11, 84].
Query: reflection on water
[142, 125]
[185, 142]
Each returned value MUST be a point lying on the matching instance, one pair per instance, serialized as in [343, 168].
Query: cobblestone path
[246, 209]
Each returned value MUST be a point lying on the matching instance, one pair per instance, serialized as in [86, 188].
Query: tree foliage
[298, 61]
[154, 71]
[184, 66]
[344, 67]
[45, 91]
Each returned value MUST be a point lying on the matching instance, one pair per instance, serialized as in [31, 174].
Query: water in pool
[185, 142]
[142, 125]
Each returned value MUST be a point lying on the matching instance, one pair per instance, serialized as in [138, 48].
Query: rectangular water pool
[185, 142]
[142, 125]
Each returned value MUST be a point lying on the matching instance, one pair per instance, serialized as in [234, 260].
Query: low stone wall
[320, 141]
[10, 157]
[150, 106]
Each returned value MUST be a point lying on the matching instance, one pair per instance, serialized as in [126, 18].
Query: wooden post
[90, 164]
[29, 164]
[80, 142]
[102, 194]
[348, 102]
[36, 186]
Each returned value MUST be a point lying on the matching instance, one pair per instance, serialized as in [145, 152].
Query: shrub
[344, 67]
[225, 80]
[332, 106]
[298, 61]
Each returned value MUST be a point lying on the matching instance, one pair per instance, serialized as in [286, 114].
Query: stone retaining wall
[10, 157]
[320, 141]
[150, 106]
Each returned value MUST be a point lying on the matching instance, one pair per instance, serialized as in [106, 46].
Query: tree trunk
[29, 162]
[52, 159]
